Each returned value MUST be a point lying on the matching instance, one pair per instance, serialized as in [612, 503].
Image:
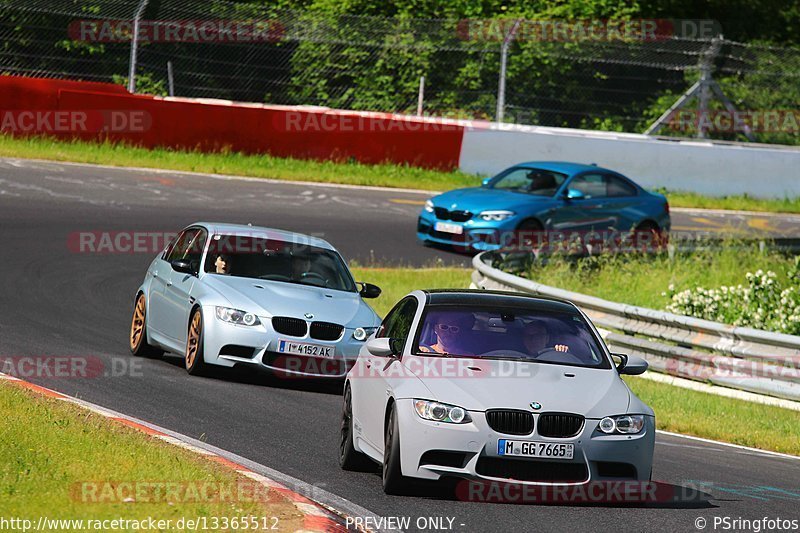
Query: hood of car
[287, 299]
[477, 199]
[591, 392]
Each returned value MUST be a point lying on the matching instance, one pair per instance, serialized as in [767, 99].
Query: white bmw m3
[493, 386]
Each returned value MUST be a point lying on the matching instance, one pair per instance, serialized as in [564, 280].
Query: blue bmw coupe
[542, 197]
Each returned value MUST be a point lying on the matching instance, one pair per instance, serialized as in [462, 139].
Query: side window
[617, 187]
[195, 251]
[591, 185]
[516, 179]
[397, 324]
[189, 246]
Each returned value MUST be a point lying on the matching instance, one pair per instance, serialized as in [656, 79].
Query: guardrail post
[421, 95]
[137, 17]
[501, 83]
[170, 79]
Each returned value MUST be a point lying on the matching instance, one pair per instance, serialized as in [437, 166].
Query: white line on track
[748, 449]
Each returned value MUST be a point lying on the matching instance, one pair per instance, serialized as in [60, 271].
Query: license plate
[523, 448]
[301, 348]
[444, 227]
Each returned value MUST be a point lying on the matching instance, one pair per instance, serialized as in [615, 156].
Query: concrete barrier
[705, 167]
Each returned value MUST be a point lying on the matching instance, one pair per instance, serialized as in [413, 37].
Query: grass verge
[397, 282]
[50, 450]
[725, 419]
[264, 166]
[641, 280]
[678, 410]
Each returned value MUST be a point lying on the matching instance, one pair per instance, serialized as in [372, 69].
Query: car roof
[261, 231]
[498, 298]
[564, 167]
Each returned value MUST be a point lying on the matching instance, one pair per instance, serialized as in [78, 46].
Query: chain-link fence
[593, 74]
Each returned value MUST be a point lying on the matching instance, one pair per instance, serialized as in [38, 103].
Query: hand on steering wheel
[556, 348]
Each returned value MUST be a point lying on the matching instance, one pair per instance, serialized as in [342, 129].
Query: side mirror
[485, 181]
[380, 347]
[575, 194]
[182, 265]
[631, 365]
[368, 290]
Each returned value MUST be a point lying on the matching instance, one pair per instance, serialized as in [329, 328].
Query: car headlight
[428, 206]
[623, 424]
[361, 334]
[496, 216]
[237, 316]
[441, 412]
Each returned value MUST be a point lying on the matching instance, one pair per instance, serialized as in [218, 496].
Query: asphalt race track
[58, 301]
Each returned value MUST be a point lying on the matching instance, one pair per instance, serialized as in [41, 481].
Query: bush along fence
[742, 358]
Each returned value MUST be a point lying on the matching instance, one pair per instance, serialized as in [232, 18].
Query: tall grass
[643, 279]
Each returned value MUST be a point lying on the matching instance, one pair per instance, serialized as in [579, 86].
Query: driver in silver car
[301, 266]
[536, 339]
[222, 264]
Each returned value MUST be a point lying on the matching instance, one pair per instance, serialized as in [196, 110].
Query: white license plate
[524, 448]
[301, 348]
[444, 227]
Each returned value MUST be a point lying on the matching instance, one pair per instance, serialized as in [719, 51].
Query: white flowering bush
[763, 302]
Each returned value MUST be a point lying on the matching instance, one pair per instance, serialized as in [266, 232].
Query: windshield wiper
[504, 358]
[435, 354]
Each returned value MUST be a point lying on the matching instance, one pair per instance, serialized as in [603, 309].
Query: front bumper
[478, 235]
[226, 344]
[597, 456]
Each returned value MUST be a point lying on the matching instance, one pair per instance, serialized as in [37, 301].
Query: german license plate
[445, 227]
[301, 348]
[522, 448]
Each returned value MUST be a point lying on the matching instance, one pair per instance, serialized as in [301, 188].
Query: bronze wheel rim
[193, 342]
[137, 323]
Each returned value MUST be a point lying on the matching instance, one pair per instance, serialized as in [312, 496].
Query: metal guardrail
[737, 357]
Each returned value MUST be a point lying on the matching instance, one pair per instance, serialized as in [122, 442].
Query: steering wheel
[508, 353]
[560, 357]
[314, 275]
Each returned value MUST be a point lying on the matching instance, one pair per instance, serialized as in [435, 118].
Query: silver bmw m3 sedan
[223, 294]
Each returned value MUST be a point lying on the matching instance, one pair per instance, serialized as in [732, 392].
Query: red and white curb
[317, 518]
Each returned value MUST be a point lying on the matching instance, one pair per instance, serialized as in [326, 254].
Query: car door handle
[169, 284]
[369, 364]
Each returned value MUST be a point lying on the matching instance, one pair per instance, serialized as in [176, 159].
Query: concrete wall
[698, 166]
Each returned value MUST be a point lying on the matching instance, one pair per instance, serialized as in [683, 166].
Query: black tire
[656, 239]
[193, 358]
[393, 480]
[524, 240]
[137, 339]
[350, 458]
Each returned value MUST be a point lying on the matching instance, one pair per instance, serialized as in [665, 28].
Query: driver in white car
[536, 339]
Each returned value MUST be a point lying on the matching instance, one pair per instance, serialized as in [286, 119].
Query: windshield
[533, 181]
[512, 334]
[276, 260]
